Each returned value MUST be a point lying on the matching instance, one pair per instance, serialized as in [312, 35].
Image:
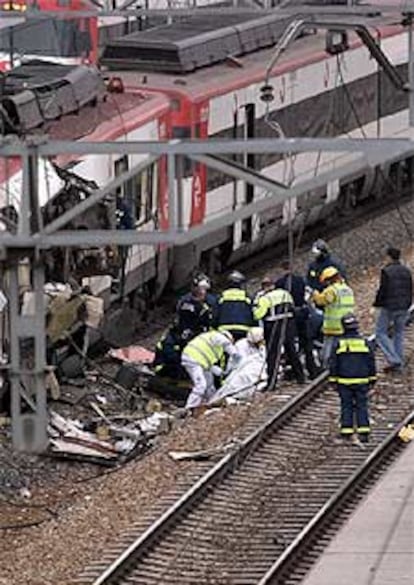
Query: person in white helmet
[203, 358]
[248, 373]
[252, 344]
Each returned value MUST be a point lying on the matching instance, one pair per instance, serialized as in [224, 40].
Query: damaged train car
[202, 78]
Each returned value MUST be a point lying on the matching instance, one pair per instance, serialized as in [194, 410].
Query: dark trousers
[303, 329]
[354, 408]
[272, 333]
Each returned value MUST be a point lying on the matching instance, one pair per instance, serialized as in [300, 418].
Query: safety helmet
[228, 335]
[350, 322]
[319, 248]
[236, 278]
[255, 335]
[201, 281]
[328, 273]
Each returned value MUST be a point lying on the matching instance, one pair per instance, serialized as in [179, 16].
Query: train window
[46, 37]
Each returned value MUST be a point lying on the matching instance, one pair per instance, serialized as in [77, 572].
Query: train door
[244, 127]
[199, 171]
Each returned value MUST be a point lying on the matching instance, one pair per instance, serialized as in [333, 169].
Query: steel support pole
[411, 71]
[28, 364]
[27, 361]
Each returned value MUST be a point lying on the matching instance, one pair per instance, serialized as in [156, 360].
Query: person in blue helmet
[235, 307]
[194, 313]
[322, 258]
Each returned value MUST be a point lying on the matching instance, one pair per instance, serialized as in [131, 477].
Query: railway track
[255, 515]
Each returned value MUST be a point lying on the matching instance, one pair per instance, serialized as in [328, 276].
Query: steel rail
[208, 480]
[298, 548]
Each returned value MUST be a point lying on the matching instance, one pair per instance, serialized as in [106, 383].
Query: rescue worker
[295, 284]
[167, 362]
[235, 308]
[276, 310]
[194, 314]
[336, 299]
[266, 286]
[321, 259]
[203, 358]
[352, 370]
[253, 343]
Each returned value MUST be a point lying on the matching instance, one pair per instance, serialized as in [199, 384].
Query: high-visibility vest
[201, 350]
[354, 362]
[234, 312]
[267, 303]
[344, 303]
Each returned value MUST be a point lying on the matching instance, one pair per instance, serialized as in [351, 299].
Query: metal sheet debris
[133, 354]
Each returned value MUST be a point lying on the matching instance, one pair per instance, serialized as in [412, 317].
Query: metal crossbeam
[52, 148]
[338, 11]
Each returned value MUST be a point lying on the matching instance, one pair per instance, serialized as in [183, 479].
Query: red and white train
[317, 94]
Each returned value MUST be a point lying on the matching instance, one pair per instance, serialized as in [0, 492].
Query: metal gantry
[28, 372]
[28, 369]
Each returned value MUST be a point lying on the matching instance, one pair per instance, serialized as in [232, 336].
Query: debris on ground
[133, 354]
[202, 454]
[104, 442]
[406, 434]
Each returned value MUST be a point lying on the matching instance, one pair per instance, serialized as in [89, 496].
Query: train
[70, 40]
[214, 91]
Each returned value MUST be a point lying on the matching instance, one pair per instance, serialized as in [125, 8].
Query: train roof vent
[40, 91]
[195, 42]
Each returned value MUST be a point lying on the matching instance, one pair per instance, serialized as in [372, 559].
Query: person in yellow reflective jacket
[203, 358]
[276, 309]
[352, 370]
[336, 300]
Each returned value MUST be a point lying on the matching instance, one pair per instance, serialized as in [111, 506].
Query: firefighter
[167, 362]
[321, 258]
[336, 300]
[276, 310]
[235, 308]
[194, 314]
[203, 358]
[352, 370]
[266, 286]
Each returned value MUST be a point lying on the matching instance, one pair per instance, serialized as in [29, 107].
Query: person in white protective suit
[250, 373]
[253, 343]
[203, 358]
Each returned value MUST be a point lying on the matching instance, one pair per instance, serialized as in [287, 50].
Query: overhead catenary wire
[385, 178]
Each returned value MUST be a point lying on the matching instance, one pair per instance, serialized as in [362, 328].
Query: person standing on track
[234, 308]
[322, 258]
[336, 300]
[203, 358]
[394, 298]
[352, 370]
[276, 310]
[295, 284]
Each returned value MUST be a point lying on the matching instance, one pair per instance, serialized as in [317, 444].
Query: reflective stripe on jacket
[203, 350]
[234, 310]
[337, 300]
[352, 361]
[272, 303]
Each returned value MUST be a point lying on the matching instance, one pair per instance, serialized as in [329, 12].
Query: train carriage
[64, 181]
[215, 92]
